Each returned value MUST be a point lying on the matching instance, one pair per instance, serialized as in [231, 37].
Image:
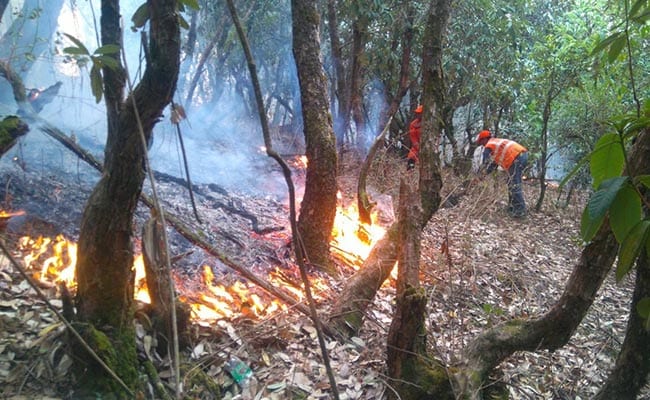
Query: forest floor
[499, 268]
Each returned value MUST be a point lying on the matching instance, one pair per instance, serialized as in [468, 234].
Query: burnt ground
[499, 269]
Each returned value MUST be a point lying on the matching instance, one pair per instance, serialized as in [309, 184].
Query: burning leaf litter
[495, 271]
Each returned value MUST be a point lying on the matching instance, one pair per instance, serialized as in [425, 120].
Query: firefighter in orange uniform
[510, 156]
[414, 135]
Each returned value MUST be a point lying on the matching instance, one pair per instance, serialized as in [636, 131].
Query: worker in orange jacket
[512, 157]
[414, 135]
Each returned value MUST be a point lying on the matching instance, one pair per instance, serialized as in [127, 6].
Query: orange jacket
[414, 134]
[504, 151]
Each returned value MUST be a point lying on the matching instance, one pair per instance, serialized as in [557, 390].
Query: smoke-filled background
[222, 135]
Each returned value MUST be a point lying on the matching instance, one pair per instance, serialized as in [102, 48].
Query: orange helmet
[485, 134]
[419, 109]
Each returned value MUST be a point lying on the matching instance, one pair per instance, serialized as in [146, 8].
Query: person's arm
[488, 166]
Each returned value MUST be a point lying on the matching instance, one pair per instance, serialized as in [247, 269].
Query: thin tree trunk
[340, 81]
[542, 159]
[359, 32]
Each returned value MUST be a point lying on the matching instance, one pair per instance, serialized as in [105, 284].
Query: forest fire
[53, 260]
[351, 239]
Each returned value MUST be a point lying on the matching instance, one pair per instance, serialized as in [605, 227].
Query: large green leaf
[96, 83]
[607, 159]
[589, 226]
[625, 212]
[108, 49]
[630, 248]
[140, 17]
[615, 49]
[82, 49]
[602, 199]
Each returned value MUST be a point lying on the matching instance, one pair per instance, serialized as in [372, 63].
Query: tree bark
[412, 373]
[359, 34]
[339, 81]
[318, 207]
[347, 313]
[105, 250]
[11, 128]
[630, 373]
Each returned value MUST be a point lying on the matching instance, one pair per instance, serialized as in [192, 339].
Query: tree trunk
[400, 91]
[359, 33]
[546, 115]
[3, 6]
[339, 79]
[318, 207]
[11, 128]
[105, 250]
[633, 364]
[411, 373]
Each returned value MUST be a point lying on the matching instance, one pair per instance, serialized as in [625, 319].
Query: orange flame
[55, 261]
[7, 214]
[351, 239]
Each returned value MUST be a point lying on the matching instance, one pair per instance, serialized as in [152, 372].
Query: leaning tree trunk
[633, 364]
[318, 207]
[555, 328]
[105, 254]
[347, 313]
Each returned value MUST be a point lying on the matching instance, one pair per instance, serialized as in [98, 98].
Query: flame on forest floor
[352, 240]
[53, 260]
[8, 214]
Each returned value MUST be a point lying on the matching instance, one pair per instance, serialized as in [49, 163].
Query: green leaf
[581, 163]
[109, 62]
[107, 49]
[625, 212]
[644, 180]
[615, 49]
[141, 16]
[630, 248]
[600, 201]
[643, 307]
[193, 4]
[607, 159]
[589, 226]
[77, 42]
[96, 83]
[605, 43]
[182, 22]
[75, 51]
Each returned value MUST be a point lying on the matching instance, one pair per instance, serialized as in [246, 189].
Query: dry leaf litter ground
[498, 268]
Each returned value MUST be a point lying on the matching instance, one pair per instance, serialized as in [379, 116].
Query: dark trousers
[516, 202]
